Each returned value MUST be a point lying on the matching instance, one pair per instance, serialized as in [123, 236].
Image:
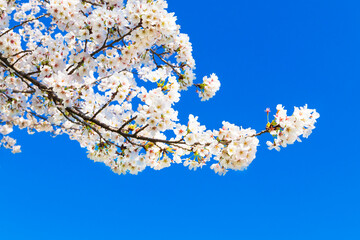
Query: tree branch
[19, 25]
[167, 63]
[106, 104]
[83, 116]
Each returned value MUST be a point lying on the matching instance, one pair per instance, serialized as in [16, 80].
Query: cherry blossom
[108, 74]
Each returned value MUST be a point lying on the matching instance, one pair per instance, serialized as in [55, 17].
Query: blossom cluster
[7, 141]
[240, 147]
[6, 7]
[108, 74]
[287, 129]
[209, 87]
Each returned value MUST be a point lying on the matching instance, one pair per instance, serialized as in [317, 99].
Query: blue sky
[265, 53]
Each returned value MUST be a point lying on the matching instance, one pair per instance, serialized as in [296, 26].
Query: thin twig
[106, 104]
[167, 63]
[19, 25]
[126, 123]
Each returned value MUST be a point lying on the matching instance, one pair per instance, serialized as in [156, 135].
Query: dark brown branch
[94, 4]
[166, 62]
[24, 51]
[106, 104]
[267, 130]
[126, 123]
[86, 42]
[117, 40]
[19, 25]
[77, 114]
[25, 91]
[96, 131]
[31, 73]
[141, 129]
[139, 145]
[17, 60]
[37, 115]
[104, 46]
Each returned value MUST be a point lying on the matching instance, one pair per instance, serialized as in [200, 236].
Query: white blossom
[108, 75]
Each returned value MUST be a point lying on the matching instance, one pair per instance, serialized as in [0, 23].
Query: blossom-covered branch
[78, 67]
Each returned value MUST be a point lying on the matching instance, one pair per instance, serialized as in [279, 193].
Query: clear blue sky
[265, 53]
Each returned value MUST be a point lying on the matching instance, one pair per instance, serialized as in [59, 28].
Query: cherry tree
[108, 74]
